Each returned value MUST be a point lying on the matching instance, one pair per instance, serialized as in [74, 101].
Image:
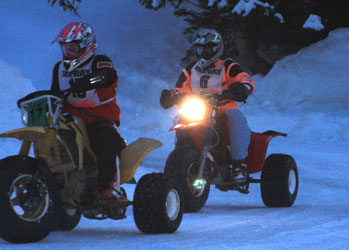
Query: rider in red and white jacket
[213, 74]
[93, 81]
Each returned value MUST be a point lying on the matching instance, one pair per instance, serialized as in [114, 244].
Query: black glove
[80, 84]
[237, 92]
[168, 99]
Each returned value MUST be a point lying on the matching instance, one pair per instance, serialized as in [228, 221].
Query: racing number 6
[204, 81]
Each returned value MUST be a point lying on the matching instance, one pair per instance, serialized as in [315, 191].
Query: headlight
[193, 109]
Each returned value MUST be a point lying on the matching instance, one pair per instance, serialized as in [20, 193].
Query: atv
[202, 157]
[54, 187]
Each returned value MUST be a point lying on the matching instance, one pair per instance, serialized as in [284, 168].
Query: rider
[213, 74]
[93, 81]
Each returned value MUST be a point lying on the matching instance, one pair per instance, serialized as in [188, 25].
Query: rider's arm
[55, 84]
[168, 98]
[183, 84]
[172, 97]
[239, 85]
[102, 76]
[235, 74]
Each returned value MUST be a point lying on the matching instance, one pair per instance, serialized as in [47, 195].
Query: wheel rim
[173, 203]
[292, 181]
[192, 174]
[28, 208]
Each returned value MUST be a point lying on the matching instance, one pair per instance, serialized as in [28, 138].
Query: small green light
[199, 184]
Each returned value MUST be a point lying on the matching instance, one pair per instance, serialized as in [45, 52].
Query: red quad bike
[202, 157]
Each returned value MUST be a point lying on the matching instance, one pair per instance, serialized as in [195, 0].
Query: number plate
[37, 113]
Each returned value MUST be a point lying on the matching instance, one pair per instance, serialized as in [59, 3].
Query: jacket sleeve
[103, 73]
[170, 98]
[183, 84]
[102, 76]
[55, 83]
[235, 74]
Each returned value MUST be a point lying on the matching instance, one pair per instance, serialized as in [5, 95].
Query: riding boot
[239, 171]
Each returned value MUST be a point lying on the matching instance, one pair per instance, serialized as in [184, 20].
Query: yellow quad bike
[51, 190]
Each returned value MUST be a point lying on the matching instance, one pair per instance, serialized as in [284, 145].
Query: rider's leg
[239, 135]
[106, 142]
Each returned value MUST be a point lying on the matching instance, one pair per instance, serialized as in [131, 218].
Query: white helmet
[78, 43]
[208, 46]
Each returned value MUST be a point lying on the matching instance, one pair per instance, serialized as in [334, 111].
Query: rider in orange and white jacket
[213, 74]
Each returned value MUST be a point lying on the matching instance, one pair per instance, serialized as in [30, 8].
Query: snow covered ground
[304, 95]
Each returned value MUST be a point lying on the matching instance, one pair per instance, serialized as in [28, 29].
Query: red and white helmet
[78, 43]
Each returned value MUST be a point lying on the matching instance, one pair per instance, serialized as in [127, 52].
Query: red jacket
[98, 104]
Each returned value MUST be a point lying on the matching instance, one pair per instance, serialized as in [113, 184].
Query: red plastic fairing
[181, 126]
[196, 130]
[257, 150]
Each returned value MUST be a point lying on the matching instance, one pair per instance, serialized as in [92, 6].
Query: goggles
[205, 51]
[70, 50]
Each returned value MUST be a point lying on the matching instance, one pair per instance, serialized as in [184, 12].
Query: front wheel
[158, 204]
[279, 181]
[27, 207]
[183, 162]
[69, 218]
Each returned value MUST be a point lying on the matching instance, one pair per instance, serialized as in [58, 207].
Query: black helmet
[208, 46]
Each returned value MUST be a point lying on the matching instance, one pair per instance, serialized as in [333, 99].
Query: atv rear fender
[133, 155]
[257, 149]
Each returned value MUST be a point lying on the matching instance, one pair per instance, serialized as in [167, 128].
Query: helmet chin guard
[204, 63]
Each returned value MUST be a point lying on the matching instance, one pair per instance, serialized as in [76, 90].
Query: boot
[239, 171]
[110, 198]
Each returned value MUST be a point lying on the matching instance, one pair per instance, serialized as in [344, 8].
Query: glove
[80, 84]
[169, 98]
[237, 92]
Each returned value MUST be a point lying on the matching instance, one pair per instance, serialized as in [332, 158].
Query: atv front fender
[133, 155]
[257, 149]
[26, 134]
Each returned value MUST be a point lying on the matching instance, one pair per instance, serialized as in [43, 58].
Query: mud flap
[133, 155]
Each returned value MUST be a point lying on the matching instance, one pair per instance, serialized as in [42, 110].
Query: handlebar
[53, 102]
[61, 94]
[213, 97]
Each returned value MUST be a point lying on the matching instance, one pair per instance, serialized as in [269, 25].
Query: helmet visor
[205, 51]
[70, 50]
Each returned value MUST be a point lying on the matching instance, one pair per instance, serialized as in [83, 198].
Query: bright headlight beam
[193, 109]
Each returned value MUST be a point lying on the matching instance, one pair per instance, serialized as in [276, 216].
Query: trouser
[239, 134]
[106, 143]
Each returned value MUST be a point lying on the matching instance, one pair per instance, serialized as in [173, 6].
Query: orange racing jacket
[214, 79]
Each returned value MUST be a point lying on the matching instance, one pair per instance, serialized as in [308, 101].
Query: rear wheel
[183, 163]
[158, 204]
[27, 207]
[279, 181]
